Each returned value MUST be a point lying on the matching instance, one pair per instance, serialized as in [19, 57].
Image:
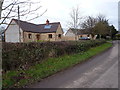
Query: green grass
[50, 66]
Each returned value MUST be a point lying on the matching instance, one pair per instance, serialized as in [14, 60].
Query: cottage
[76, 34]
[22, 31]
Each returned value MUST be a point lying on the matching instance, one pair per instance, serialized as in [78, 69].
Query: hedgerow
[23, 55]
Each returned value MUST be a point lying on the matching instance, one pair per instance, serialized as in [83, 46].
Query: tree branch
[7, 14]
[11, 10]
[30, 11]
[37, 16]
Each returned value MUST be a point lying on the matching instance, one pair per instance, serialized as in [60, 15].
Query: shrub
[17, 55]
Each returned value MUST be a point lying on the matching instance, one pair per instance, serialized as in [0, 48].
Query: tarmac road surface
[100, 71]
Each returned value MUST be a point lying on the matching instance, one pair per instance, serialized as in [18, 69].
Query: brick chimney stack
[47, 22]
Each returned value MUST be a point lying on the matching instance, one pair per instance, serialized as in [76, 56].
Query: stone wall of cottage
[58, 36]
[42, 37]
[69, 38]
[28, 38]
[46, 37]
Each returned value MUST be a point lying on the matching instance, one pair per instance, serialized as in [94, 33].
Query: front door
[38, 37]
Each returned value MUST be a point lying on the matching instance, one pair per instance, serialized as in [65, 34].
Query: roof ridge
[24, 21]
[35, 24]
[50, 23]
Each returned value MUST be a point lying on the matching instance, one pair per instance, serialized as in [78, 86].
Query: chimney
[47, 22]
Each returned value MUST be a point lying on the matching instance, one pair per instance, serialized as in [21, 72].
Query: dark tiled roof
[80, 31]
[83, 32]
[37, 28]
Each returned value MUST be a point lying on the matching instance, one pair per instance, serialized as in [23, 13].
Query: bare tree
[101, 18]
[76, 17]
[27, 8]
[96, 25]
[89, 24]
[1, 3]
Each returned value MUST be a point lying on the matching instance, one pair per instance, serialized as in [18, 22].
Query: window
[29, 36]
[38, 37]
[59, 35]
[47, 27]
[49, 35]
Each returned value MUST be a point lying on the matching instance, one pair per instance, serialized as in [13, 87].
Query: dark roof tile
[80, 31]
[37, 28]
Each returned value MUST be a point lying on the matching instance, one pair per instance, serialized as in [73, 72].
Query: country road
[100, 71]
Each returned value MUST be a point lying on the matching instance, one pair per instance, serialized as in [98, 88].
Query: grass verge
[48, 67]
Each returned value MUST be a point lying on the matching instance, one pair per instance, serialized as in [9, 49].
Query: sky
[59, 10]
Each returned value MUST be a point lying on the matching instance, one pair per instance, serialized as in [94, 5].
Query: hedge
[23, 55]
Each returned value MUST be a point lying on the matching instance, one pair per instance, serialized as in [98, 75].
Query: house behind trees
[76, 34]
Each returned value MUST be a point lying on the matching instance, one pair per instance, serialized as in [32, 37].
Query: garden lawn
[49, 67]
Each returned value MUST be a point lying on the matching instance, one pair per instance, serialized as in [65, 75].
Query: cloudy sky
[59, 10]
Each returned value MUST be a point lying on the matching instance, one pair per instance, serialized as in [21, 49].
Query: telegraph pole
[19, 23]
